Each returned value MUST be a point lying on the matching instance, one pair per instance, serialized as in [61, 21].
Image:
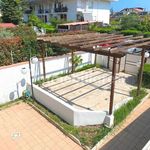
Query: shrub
[131, 32]
[48, 28]
[146, 34]
[55, 21]
[104, 29]
[5, 33]
[7, 47]
[146, 76]
[35, 21]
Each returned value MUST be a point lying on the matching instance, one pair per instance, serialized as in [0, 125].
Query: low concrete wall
[67, 112]
[85, 117]
[59, 107]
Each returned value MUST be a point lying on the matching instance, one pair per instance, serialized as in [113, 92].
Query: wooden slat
[86, 40]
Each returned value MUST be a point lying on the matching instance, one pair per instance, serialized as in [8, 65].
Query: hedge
[104, 29]
[146, 34]
[131, 32]
[7, 47]
[146, 76]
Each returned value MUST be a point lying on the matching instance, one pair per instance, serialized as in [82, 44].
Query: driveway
[23, 128]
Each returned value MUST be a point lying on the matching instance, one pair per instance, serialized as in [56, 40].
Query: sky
[130, 3]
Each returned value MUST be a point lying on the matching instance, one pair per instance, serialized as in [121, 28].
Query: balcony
[28, 11]
[61, 9]
[44, 11]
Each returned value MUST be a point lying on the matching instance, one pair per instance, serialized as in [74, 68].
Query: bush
[48, 28]
[131, 32]
[55, 21]
[146, 34]
[5, 33]
[29, 42]
[8, 46]
[35, 21]
[105, 30]
[146, 76]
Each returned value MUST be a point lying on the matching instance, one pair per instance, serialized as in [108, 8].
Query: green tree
[132, 22]
[146, 23]
[77, 60]
[12, 10]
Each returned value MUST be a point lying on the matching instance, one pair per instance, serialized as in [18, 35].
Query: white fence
[13, 82]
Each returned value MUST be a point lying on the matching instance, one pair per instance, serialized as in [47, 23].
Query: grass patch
[125, 110]
[146, 76]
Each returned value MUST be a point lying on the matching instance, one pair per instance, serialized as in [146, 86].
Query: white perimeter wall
[13, 82]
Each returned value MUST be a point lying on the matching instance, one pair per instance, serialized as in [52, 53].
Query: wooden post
[112, 86]
[119, 65]
[72, 59]
[141, 72]
[95, 60]
[125, 63]
[108, 60]
[43, 59]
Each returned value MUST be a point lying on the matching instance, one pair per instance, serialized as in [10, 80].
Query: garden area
[132, 24]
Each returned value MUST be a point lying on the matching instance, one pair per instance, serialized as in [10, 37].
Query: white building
[73, 10]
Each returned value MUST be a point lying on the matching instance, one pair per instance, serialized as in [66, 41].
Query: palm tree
[77, 60]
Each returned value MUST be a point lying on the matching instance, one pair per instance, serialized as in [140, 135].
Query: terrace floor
[90, 89]
[23, 128]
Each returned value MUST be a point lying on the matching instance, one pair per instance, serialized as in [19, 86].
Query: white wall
[72, 11]
[100, 11]
[131, 64]
[13, 82]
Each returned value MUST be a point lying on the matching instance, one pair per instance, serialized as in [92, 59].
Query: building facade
[72, 10]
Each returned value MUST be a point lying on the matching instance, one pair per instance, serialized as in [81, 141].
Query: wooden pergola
[110, 45]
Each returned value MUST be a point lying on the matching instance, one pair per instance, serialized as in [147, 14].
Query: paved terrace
[23, 128]
[90, 89]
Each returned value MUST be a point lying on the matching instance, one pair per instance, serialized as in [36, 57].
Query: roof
[7, 25]
[104, 44]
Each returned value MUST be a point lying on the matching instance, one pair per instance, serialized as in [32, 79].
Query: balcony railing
[62, 9]
[42, 11]
[28, 11]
